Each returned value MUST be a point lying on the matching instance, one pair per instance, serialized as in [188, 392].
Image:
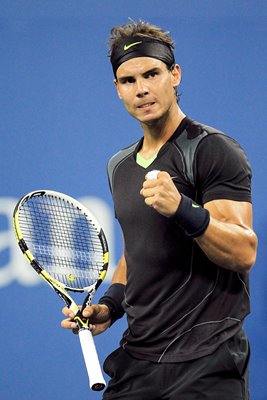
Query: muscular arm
[229, 240]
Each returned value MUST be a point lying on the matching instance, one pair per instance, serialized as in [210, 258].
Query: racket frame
[96, 379]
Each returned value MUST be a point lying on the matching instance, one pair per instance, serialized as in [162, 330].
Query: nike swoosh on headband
[127, 47]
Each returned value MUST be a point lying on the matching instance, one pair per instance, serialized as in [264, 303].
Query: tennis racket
[66, 246]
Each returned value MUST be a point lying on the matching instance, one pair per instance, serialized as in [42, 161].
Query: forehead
[139, 65]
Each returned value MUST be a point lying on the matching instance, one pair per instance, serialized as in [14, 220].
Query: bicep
[229, 241]
[230, 211]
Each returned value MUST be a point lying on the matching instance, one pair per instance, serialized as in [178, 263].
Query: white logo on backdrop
[13, 266]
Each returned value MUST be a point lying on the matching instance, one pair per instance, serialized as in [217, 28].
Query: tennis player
[183, 278]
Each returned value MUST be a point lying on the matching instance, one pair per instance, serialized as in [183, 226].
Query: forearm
[223, 230]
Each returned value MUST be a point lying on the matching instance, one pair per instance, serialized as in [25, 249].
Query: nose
[141, 88]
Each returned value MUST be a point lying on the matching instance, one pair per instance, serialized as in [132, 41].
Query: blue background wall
[60, 122]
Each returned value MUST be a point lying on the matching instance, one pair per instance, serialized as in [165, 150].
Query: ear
[117, 87]
[176, 75]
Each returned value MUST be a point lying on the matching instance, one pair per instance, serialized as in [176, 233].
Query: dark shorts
[221, 375]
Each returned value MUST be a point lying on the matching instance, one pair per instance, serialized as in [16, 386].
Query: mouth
[146, 105]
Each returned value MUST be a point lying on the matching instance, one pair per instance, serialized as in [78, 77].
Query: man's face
[147, 88]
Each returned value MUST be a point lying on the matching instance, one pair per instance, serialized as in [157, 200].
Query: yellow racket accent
[71, 278]
[106, 257]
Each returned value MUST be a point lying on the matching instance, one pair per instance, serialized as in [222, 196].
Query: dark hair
[140, 28]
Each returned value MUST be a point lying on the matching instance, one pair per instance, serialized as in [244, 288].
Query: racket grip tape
[96, 379]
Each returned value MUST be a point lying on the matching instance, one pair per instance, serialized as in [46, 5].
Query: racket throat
[89, 298]
[82, 322]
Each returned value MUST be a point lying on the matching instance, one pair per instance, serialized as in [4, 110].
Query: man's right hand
[98, 315]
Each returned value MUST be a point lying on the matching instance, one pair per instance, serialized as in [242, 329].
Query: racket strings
[63, 240]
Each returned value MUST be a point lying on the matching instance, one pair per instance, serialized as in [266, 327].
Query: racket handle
[96, 379]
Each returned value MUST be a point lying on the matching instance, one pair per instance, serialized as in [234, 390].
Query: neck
[157, 133]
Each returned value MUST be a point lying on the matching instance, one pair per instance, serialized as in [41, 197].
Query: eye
[151, 74]
[126, 80]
